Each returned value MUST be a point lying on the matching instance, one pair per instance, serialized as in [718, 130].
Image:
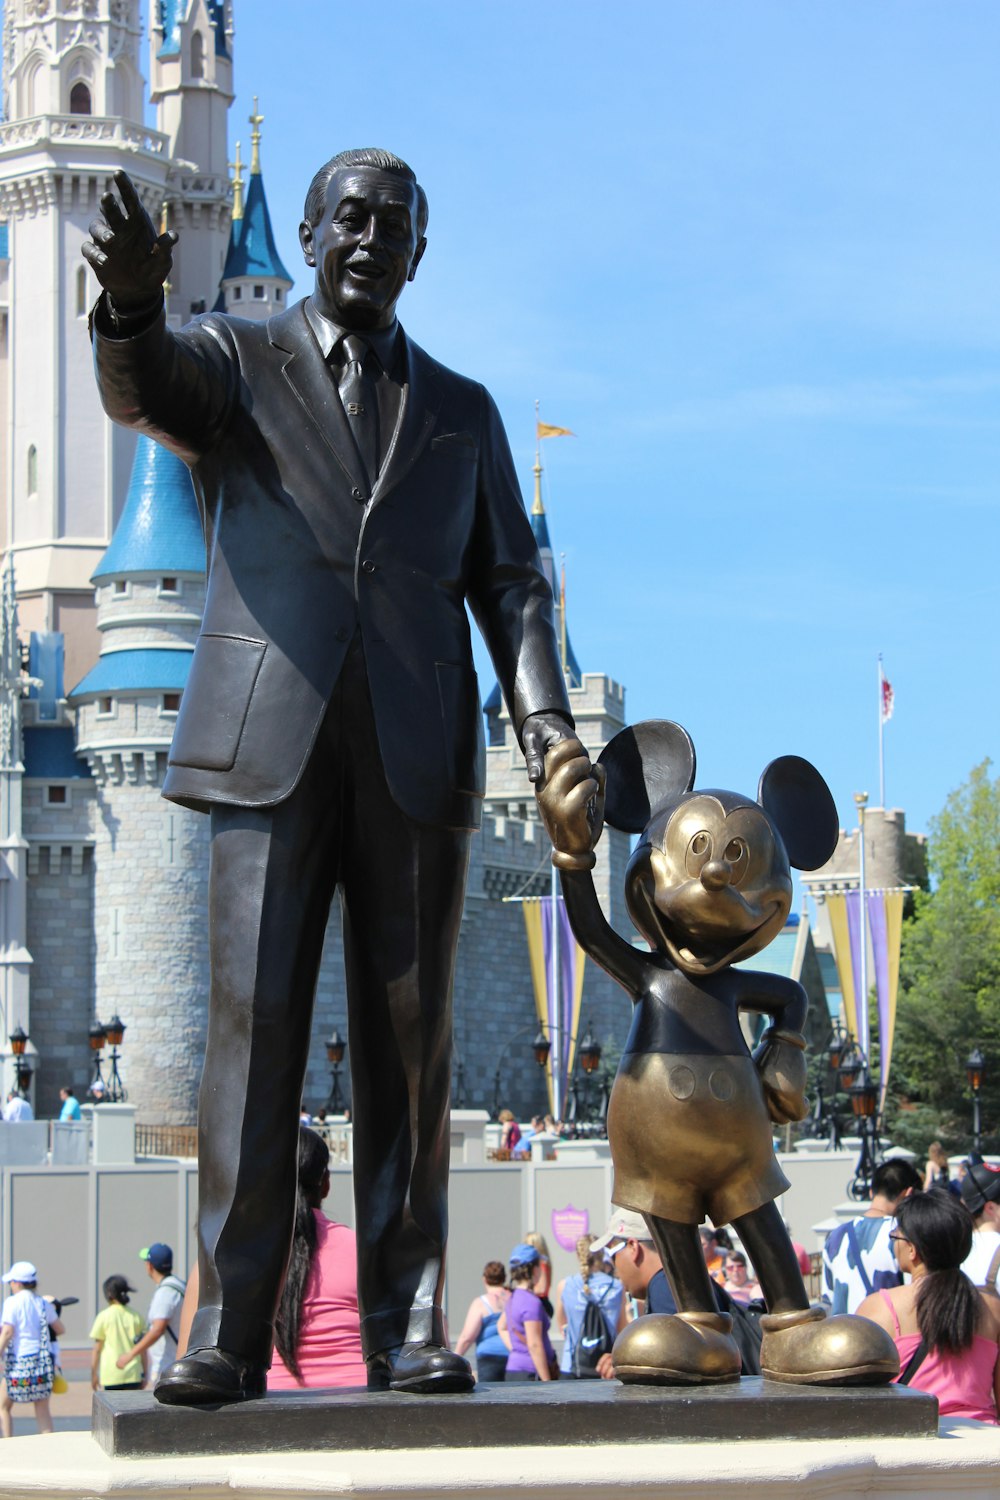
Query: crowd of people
[923, 1261]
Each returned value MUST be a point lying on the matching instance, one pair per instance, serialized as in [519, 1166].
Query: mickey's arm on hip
[780, 1053]
[571, 806]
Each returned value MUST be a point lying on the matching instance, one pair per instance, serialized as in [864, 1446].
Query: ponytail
[948, 1306]
[314, 1159]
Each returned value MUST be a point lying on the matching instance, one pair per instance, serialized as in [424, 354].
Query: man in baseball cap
[164, 1310]
[981, 1196]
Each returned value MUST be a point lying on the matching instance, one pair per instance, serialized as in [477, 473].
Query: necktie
[357, 392]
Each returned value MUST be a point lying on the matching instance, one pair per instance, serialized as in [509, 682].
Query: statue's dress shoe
[810, 1348]
[211, 1377]
[679, 1349]
[422, 1369]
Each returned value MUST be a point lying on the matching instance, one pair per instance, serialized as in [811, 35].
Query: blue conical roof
[160, 529]
[252, 251]
[170, 14]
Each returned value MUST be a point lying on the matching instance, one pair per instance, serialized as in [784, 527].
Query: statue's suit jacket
[301, 555]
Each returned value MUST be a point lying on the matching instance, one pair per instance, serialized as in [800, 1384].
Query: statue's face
[709, 883]
[365, 248]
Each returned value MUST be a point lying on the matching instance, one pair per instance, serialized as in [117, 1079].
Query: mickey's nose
[715, 875]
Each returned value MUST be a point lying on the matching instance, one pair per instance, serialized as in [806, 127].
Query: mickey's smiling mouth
[710, 954]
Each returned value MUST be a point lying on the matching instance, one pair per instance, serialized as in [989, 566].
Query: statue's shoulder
[448, 379]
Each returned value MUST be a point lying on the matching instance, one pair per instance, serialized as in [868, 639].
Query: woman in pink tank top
[946, 1330]
[317, 1333]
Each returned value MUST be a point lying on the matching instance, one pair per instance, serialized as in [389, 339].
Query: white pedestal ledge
[963, 1462]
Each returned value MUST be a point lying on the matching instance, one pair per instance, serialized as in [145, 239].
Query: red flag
[888, 699]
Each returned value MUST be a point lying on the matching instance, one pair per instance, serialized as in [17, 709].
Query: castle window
[258, 293]
[79, 100]
[56, 796]
[171, 702]
[81, 291]
[277, 294]
[237, 293]
[197, 55]
[32, 470]
[121, 586]
[169, 586]
[105, 708]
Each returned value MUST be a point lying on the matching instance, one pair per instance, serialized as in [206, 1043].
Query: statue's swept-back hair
[362, 156]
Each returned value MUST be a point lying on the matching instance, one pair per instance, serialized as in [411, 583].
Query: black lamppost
[115, 1032]
[97, 1036]
[335, 1049]
[863, 1094]
[975, 1066]
[22, 1068]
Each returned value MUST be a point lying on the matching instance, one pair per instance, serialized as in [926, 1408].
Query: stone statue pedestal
[131, 1424]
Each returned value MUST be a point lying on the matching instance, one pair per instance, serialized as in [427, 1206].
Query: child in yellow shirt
[116, 1330]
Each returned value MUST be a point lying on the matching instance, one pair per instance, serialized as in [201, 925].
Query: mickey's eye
[735, 850]
[699, 850]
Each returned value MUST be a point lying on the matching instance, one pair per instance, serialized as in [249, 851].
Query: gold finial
[237, 167]
[256, 121]
[537, 509]
[164, 226]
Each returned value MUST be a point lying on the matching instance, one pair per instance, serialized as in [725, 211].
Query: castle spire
[237, 167]
[256, 121]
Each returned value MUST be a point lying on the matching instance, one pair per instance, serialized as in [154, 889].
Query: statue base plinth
[131, 1424]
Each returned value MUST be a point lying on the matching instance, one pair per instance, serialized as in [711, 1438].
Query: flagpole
[861, 1000]
[881, 732]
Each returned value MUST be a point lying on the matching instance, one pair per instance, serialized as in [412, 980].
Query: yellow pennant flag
[545, 429]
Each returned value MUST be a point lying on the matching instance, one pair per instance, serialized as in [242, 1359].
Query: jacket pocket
[462, 719]
[216, 700]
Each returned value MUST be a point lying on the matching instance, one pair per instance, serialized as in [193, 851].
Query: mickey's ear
[798, 800]
[647, 764]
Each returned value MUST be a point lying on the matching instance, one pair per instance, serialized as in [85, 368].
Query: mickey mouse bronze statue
[691, 1113]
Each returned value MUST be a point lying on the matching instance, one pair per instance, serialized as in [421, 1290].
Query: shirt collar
[328, 335]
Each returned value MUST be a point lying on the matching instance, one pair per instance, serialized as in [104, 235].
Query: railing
[84, 128]
[166, 1140]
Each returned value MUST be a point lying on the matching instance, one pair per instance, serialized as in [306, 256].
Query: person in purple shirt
[524, 1323]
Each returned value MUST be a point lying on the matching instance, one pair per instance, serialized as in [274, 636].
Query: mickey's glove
[781, 1063]
[571, 804]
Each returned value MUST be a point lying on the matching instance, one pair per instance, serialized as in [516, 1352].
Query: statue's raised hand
[129, 258]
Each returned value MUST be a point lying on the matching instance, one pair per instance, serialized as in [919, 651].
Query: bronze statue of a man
[355, 495]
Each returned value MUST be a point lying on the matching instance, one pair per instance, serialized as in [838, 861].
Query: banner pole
[881, 733]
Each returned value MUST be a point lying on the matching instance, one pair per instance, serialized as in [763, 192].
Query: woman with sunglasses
[946, 1331]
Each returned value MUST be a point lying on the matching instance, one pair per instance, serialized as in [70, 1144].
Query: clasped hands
[569, 791]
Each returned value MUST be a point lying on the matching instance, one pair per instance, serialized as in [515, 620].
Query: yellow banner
[836, 905]
[893, 937]
[545, 429]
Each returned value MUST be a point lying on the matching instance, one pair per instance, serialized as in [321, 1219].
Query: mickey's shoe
[810, 1348]
[679, 1349]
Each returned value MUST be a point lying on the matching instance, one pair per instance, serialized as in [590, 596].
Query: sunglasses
[901, 1237]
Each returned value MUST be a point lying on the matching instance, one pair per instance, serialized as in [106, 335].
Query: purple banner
[559, 1007]
[568, 1224]
[852, 905]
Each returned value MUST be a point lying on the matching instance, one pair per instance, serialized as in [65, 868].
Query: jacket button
[356, 494]
[367, 566]
[343, 633]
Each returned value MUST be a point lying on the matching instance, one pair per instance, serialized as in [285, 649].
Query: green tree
[949, 999]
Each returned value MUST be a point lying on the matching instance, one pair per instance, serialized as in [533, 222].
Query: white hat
[21, 1270]
[624, 1224]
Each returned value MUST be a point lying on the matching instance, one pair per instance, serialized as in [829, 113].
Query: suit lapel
[308, 376]
[418, 414]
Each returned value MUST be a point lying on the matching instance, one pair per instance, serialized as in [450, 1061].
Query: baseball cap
[523, 1255]
[980, 1185]
[624, 1224]
[21, 1270]
[160, 1256]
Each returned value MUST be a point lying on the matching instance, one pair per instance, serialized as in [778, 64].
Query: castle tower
[150, 857]
[191, 85]
[73, 107]
[255, 283]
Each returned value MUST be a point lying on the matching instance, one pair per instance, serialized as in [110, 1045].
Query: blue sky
[750, 254]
